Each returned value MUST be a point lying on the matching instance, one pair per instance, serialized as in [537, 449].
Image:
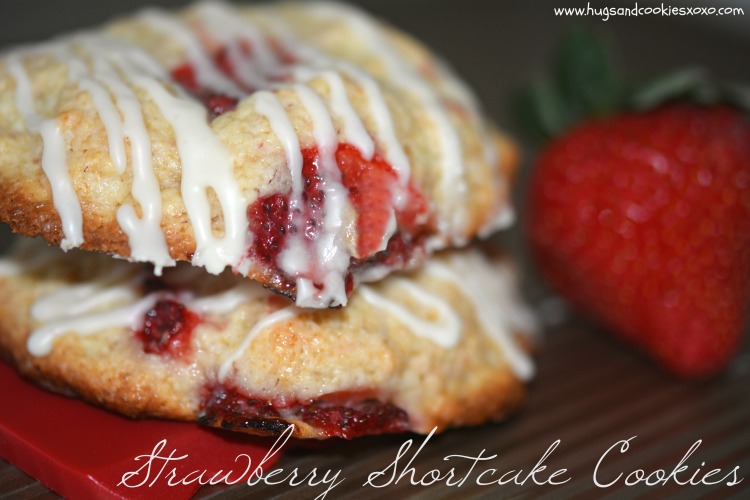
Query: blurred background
[590, 391]
[496, 45]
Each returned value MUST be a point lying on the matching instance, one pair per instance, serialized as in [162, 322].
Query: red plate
[81, 451]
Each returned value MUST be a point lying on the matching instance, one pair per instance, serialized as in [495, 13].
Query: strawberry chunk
[370, 184]
[167, 328]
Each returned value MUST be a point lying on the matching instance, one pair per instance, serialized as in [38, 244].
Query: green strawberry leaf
[586, 75]
[584, 84]
[691, 84]
[737, 94]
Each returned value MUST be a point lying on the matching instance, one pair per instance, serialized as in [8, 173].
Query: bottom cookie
[444, 346]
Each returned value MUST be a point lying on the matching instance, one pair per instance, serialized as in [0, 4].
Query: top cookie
[305, 146]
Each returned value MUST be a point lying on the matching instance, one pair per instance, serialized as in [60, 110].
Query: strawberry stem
[584, 84]
[691, 84]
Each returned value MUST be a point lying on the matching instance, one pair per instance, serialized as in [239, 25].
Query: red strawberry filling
[217, 104]
[347, 419]
[370, 184]
[386, 235]
[167, 328]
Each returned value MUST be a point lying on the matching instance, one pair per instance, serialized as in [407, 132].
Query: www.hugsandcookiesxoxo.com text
[161, 465]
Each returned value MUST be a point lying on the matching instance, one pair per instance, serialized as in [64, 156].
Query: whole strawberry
[642, 220]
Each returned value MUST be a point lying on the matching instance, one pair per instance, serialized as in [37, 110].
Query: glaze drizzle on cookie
[114, 298]
[250, 58]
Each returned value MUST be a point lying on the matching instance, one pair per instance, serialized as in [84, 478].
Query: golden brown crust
[258, 161]
[361, 357]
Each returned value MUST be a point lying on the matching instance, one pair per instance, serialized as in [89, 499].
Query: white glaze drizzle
[145, 236]
[101, 79]
[316, 64]
[198, 147]
[444, 331]
[281, 315]
[112, 301]
[453, 182]
[79, 299]
[76, 300]
[354, 130]
[10, 268]
[331, 256]
[386, 130]
[223, 24]
[64, 197]
[228, 300]
[54, 164]
[320, 62]
[503, 218]
[206, 164]
[331, 253]
[206, 73]
[42, 339]
[495, 301]
[268, 105]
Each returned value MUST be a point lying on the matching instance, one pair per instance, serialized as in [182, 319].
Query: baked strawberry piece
[226, 352]
[305, 146]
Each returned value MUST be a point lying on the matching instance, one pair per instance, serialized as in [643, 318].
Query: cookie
[444, 346]
[306, 146]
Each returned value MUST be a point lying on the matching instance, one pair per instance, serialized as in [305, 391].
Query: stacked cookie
[280, 185]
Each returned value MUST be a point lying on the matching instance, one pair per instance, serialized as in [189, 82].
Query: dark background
[590, 392]
[496, 45]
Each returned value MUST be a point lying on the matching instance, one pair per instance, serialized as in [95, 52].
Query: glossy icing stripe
[277, 317]
[64, 197]
[354, 130]
[503, 218]
[198, 147]
[115, 302]
[227, 301]
[24, 93]
[329, 253]
[54, 156]
[385, 129]
[294, 259]
[268, 105]
[453, 182]
[331, 250]
[457, 90]
[494, 299]
[111, 96]
[223, 23]
[445, 331]
[145, 236]
[107, 113]
[42, 339]
[79, 299]
[206, 73]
